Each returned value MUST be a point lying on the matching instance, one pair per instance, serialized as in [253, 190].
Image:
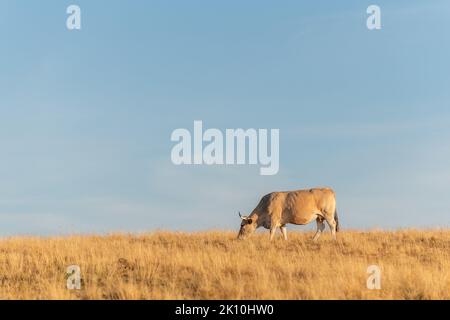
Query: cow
[300, 207]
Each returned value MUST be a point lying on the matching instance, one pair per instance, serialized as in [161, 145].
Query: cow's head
[248, 225]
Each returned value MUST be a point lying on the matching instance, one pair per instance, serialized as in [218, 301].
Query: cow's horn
[242, 217]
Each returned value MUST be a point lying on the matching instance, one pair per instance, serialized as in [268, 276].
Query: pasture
[415, 264]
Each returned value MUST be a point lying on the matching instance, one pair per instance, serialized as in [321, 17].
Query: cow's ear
[249, 221]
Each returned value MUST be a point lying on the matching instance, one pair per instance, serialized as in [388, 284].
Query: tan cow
[300, 207]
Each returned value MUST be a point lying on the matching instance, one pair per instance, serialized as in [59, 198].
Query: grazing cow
[277, 209]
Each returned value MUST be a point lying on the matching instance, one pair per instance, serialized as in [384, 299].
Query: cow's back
[302, 206]
[297, 207]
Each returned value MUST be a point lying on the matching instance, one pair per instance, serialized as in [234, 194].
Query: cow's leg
[273, 230]
[284, 231]
[320, 228]
[332, 224]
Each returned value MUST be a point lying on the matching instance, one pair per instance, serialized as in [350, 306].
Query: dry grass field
[213, 265]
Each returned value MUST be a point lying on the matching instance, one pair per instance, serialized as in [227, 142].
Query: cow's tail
[336, 219]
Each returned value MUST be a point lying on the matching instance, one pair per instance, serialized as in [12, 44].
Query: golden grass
[213, 265]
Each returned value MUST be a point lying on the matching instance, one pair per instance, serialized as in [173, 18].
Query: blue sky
[86, 116]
